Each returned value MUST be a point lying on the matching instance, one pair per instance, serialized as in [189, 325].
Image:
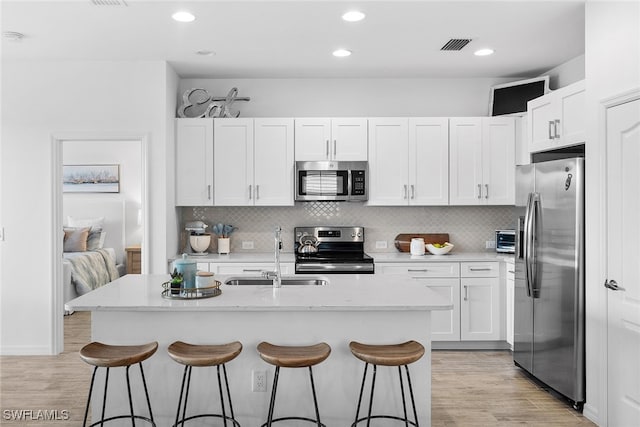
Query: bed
[93, 244]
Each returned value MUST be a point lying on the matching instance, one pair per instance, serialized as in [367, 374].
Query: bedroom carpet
[469, 388]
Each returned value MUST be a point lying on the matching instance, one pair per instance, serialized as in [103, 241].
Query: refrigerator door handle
[526, 244]
[533, 254]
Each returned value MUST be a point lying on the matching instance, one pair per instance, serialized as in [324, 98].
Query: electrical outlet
[381, 244]
[258, 381]
[490, 244]
[247, 244]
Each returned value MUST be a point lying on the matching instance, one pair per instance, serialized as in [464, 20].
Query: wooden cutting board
[403, 241]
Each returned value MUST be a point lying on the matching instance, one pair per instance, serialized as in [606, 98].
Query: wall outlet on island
[381, 244]
[258, 381]
[490, 244]
[247, 244]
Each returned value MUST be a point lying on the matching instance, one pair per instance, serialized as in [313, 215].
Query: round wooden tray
[191, 293]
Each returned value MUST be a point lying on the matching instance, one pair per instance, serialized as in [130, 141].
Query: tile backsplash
[468, 226]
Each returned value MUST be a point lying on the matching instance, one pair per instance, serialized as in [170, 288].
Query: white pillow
[94, 223]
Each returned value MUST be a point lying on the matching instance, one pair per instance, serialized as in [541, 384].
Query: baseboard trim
[470, 345]
[25, 351]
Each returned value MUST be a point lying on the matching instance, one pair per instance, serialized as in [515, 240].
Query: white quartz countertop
[344, 292]
[378, 257]
[240, 257]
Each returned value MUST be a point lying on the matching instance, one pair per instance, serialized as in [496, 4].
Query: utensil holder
[224, 245]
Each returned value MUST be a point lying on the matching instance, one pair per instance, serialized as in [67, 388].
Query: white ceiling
[288, 39]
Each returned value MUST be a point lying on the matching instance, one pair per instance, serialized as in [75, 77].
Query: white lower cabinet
[509, 294]
[473, 288]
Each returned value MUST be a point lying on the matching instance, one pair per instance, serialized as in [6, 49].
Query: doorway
[124, 208]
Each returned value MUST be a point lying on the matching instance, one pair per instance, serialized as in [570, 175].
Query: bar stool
[192, 355]
[293, 357]
[387, 355]
[102, 355]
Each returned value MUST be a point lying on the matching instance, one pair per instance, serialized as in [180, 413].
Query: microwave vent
[455, 44]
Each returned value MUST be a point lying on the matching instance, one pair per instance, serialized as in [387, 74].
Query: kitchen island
[367, 308]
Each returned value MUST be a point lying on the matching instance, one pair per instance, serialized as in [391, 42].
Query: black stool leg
[373, 385]
[184, 378]
[146, 392]
[224, 414]
[104, 399]
[404, 401]
[133, 420]
[226, 381]
[273, 396]
[364, 377]
[315, 399]
[86, 411]
[413, 403]
[186, 396]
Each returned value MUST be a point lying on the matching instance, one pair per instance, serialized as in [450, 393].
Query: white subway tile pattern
[469, 227]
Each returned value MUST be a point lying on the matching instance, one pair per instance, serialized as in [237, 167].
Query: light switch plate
[381, 244]
[490, 244]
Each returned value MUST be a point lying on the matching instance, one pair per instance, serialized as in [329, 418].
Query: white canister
[417, 246]
[224, 245]
[204, 279]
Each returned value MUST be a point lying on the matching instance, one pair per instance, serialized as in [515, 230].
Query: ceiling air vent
[455, 44]
[109, 2]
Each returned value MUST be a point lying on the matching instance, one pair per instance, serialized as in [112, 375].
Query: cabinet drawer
[479, 269]
[430, 269]
[249, 269]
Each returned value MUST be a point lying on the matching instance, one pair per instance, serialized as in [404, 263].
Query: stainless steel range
[331, 250]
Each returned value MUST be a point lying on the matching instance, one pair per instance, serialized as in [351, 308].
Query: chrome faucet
[276, 275]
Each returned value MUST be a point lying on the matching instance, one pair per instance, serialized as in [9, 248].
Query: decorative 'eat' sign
[198, 103]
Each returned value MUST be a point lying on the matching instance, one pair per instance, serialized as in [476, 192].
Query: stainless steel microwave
[336, 181]
[506, 241]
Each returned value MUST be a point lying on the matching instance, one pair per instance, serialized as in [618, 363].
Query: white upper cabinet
[253, 162]
[408, 161]
[273, 162]
[331, 139]
[194, 162]
[557, 119]
[482, 160]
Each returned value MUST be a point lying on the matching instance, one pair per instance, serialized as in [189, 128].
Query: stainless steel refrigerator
[549, 315]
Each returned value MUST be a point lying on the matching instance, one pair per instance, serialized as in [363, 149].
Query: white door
[429, 161]
[499, 160]
[349, 139]
[623, 253]
[388, 161]
[465, 161]
[273, 162]
[445, 324]
[312, 139]
[479, 309]
[194, 162]
[233, 162]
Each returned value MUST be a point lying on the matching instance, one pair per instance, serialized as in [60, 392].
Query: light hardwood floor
[474, 388]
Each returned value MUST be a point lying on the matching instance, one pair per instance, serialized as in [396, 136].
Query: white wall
[41, 99]
[353, 97]
[126, 154]
[612, 66]
[564, 74]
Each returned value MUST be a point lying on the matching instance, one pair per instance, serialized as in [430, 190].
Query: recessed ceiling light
[483, 52]
[353, 16]
[183, 16]
[205, 53]
[341, 53]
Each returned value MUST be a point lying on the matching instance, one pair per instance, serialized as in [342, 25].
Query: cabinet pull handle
[413, 191]
[327, 149]
[466, 293]
[421, 270]
[257, 191]
[404, 196]
[335, 148]
[511, 271]
[209, 192]
[550, 131]
[479, 191]
[479, 269]
[251, 270]
[486, 187]
[556, 125]
[250, 192]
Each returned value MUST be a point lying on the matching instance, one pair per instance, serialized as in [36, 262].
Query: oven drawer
[423, 269]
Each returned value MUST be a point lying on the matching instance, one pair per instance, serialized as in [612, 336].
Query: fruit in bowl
[439, 248]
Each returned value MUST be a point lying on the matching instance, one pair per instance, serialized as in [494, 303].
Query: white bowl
[200, 242]
[439, 251]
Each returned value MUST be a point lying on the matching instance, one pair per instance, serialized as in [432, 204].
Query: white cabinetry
[480, 314]
[194, 162]
[557, 119]
[253, 162]
[509, 294]
[442, 278]
[331, 139]
[408, 161]
[482, 161]
[246, 268]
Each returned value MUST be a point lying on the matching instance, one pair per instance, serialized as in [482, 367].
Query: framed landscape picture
[91, 178]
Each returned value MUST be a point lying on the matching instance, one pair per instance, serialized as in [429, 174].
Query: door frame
[603, 377]
[58, 139]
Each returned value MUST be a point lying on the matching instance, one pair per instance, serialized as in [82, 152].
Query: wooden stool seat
[388, 355]
[293, 356]
[204, 355]
[112, 356]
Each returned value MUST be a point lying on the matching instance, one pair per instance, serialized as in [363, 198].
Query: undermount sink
[286, 281]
